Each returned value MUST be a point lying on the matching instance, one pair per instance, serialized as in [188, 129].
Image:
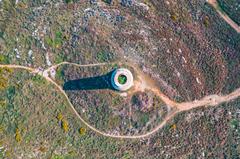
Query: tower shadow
[90, 83]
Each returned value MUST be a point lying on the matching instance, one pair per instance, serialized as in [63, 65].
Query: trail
[211, 100]
[19, 66]
[216, 6]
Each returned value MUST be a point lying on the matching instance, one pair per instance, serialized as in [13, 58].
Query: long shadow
[90, 83]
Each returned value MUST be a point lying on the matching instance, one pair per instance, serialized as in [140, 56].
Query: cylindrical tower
[122, 79]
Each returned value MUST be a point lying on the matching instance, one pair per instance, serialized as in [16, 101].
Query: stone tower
[122, 79]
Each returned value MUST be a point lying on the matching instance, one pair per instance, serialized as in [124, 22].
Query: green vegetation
[68, 1]
[56, 41]
[18, 136]
[231, 8]
[107, 1]
[35, 117]
[65, 125]
[60, 75]
[206, 21]
[82, 131]
[114, 121]
[103, 56]
[3, 83]
[235, 124]
[174, 17]
[59, 58]
[4, 59]
[5, 74]
[39, 79]
[122, 79]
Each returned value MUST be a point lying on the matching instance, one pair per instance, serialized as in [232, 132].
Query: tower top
[122, 79]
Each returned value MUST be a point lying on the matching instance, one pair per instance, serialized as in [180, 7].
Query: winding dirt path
[216, 6]
[211, 100]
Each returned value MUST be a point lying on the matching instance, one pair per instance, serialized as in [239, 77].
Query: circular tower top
[122, 79]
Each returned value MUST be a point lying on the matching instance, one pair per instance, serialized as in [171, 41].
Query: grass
[122, 79]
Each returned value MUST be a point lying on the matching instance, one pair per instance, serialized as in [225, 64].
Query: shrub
[3, 104]
[68, 1]
[57, 157]
[104, 56]
[55, 42]
[174, 17]
[3, 83]
[206, 22]
[60, 117]
[4, 59]
[18, 136]
[65, 125]
[108, 1]
[82, 131]
[59, 74]
[38, 79]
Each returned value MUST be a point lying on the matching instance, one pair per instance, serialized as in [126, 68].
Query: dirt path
[18, 66]
[211, 100]
[216, 6]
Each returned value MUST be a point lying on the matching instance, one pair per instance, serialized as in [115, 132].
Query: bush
[3, 83]
[38, 79]
[68, 1]
[55, 42]
[82, 131]
[104, 56]
[60, 117]
[18, 136]
[4, 59]
[65, 125]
